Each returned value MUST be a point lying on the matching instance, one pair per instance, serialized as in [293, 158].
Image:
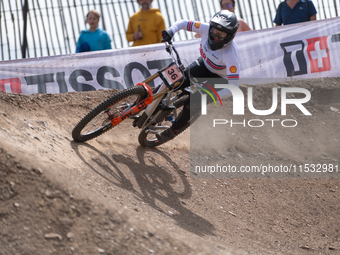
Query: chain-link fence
[52, 27]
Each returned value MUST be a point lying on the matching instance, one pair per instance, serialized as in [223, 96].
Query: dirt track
[110, 196]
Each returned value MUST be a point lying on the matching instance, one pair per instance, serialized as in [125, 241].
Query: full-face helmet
[222, 30]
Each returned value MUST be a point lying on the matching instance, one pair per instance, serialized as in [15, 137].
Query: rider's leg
[189, 110]
[184, 116]
[198, 70]
[191, 107]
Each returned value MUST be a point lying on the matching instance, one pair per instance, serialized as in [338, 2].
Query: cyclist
[218, 61]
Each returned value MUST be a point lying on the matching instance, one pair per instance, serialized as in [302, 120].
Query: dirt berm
[111, 196]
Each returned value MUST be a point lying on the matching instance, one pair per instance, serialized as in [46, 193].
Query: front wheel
[99, 119]
[147, 137]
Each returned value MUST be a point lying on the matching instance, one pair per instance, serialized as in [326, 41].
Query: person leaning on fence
[230, 6]
[218, 63]
[146, 25]
[294, 11]
[94, 38]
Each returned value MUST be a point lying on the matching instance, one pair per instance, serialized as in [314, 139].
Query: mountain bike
[152, 110]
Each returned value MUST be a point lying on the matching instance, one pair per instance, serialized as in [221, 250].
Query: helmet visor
[218, 35]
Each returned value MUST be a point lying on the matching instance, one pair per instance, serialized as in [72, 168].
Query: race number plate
[171, 75]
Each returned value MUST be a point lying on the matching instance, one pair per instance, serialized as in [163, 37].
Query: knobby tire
[137, 94]
[143, 138]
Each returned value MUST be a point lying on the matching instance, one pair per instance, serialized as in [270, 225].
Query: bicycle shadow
[157, 186]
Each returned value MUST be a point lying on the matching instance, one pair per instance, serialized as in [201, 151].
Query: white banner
[300, 51]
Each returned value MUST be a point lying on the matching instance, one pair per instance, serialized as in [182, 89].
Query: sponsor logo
[204, 94]
[238, 100]
[197, 24]
[233, 69]
[238, 105]
[318, 54]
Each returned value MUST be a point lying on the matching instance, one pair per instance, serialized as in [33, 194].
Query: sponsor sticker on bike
[172, 75]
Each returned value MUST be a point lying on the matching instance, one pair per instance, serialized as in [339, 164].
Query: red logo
[14, 85]
[318, 54]
[202, 52]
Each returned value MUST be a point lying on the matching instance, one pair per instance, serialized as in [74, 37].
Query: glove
[167, 35]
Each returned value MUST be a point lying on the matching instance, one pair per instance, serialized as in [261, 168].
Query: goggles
[219, 34]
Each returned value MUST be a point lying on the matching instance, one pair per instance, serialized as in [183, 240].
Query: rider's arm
[188, 25]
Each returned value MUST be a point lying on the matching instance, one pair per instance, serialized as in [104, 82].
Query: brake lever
[168, 46]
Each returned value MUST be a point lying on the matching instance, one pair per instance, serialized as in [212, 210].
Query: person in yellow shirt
[146, 25]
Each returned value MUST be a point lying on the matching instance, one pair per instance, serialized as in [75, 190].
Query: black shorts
[192, 105]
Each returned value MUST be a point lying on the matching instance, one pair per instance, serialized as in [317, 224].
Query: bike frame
[150, 103]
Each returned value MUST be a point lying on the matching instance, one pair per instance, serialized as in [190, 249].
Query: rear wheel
[147, 137]
[99, 119]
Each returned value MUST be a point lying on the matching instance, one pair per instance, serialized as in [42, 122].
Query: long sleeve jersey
[224, 62]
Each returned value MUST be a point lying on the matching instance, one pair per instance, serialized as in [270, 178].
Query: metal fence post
[24, 36]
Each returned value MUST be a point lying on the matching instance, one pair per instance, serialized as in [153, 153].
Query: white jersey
[224, 62]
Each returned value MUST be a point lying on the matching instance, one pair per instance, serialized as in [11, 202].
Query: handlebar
[169, 47]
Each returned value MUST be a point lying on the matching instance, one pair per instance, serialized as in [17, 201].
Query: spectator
[230, 6]
[295, 11]
[146, 25]
[94, 38]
